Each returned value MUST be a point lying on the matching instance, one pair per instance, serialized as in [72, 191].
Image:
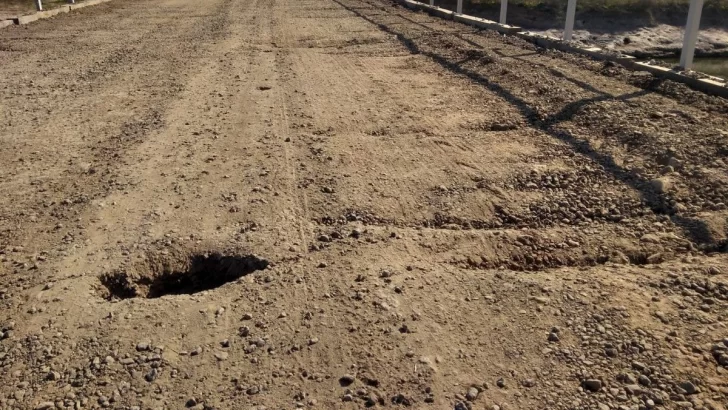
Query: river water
[717, 66]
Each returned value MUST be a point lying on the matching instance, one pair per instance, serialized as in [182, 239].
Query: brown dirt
[343, 203]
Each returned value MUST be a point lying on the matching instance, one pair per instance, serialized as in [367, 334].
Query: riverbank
[645, 30]
[715, 66]
[10, 9]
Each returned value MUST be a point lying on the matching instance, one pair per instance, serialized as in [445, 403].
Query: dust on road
[343, 203]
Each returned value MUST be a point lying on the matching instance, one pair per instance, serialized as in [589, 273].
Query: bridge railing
[39, 4]
[689, 40]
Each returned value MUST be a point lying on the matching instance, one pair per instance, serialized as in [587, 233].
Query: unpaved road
[342, 203]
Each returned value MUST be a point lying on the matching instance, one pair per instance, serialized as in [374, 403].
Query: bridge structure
[689, 40]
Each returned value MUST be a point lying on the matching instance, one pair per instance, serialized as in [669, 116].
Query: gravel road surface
[337, 204]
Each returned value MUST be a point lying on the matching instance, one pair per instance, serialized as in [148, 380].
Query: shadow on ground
[694, 229]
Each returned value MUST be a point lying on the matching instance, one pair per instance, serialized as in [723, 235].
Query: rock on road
[343, 203]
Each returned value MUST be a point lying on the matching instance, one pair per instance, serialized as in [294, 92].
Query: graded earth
[339, 204]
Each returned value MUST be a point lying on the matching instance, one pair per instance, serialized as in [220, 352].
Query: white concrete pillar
[570, 14]
[459, 9]
[39, 5]
[504, 9]
[691, 34]
[432, 3]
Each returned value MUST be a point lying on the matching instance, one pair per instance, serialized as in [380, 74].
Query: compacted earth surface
[635, 29]
[344, 204]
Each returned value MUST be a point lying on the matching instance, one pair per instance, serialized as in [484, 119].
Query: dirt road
[342, 203]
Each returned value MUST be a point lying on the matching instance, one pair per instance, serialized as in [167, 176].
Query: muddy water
[717, 66]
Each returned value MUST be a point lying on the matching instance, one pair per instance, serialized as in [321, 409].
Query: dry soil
[329, 204]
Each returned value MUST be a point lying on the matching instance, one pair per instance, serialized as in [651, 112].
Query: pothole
[178, 273]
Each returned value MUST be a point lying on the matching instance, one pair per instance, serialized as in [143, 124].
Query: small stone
[312, 341]
[127, 361]
[553, 337]
[593, 385]
[660, 185]
[501, 383]
[667, 170]
[247, 316]
[634, 389]
[196, 351]
[225, 343]
[627, 378]
[723, 359]
[253, 390]
[472, 394]
[528, 383]
[143, 347]
[714, 270]
[674, 163]
[639, 366]
[689, 387]
[46, 405]
[644, 380]
[221, 356]
[346, 380]
[619, 258]
[191, 402]
[650, 238]
[152, 375]
[53, 376]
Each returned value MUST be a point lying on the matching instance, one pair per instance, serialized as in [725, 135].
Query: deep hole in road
[178, 274]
